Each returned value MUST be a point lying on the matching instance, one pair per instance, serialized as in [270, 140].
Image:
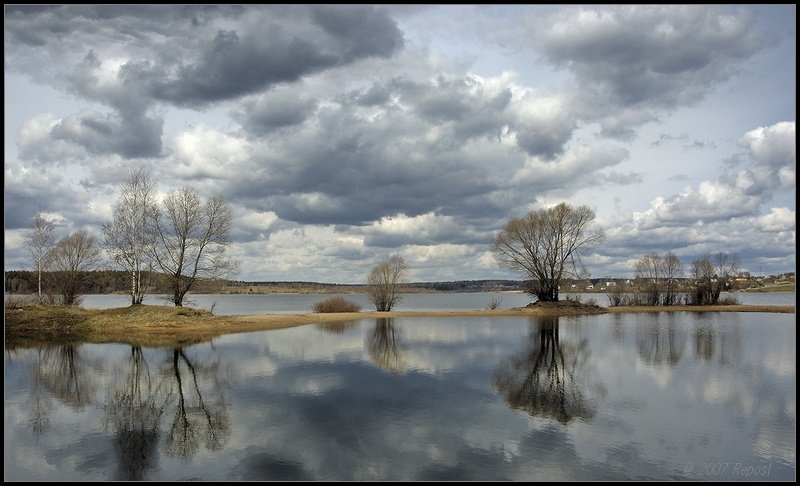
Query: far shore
[146, 325]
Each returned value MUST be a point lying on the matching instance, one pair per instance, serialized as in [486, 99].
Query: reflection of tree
[657, 344]
[134, 412]
[195, 419]
[712, 344]
[338, 327]
[543, 379]
[137, 400]
[39, 415]
[704, 343]
[383, 345]
[63, 373]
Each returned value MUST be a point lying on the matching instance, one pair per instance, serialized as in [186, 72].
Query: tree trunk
[133, 288]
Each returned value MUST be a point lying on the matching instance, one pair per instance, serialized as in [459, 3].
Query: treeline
[99, 282]
[119, 281]
[470, 285]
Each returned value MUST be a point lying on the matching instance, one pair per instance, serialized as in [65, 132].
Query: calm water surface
[612, 397]
[227, 304]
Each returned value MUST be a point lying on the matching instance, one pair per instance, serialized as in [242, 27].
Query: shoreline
[178, 326]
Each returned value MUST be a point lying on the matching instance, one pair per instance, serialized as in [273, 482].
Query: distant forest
[101, 282]
[118, 281]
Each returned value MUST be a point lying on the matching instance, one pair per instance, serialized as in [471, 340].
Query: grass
[784, 287]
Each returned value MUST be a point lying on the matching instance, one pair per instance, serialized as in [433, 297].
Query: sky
[342, 135]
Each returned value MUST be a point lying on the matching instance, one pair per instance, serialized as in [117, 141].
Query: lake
[227, 304]
[678, 396]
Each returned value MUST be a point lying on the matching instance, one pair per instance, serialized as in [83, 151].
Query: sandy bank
[166, 326]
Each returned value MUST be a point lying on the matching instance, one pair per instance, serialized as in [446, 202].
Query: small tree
[712, 275]
[72, 257]
[657, 279]
[39, 243]
[546, 246]
[128, 238]
[383, 280]
[191, 238]
[649, 271]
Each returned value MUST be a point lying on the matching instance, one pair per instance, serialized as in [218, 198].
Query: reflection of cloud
[259, 465]
[450, 424]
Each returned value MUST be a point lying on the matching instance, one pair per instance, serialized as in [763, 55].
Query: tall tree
[383, 281]
[72, 257]
[191, 238]
[546, 246]
[127, 237]
[39, 242]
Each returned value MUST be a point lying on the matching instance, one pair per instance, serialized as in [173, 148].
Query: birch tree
[128, 237]
[39, 243]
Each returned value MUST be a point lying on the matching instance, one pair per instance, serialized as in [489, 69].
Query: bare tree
[72, 257]
[712, 274]
[649, 272]
[127, 236]
[546, 246]
[383, 281]
[191, 238]
[39, 242]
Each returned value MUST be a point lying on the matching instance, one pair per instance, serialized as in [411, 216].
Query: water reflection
[382, 345]
[199, 414]
[544, 380]
[659, 342]
[317, 404]
[63, 373]
[134, 407]
[710, 344]
[338, 327]
[187, 390]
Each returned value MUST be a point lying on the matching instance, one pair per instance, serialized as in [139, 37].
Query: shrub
[728, 301]
[336, 304]
[494, 304]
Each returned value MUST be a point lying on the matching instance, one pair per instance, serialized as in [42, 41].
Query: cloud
[778, 220]
[343, 134]
[131, 66]
[684, 140]
[202, 152]
[773, 146]
[279, 108]
[425, 229]
[632, 61]
[736, 193]
[271, 45]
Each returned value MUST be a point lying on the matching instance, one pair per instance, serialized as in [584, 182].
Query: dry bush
[494, 304]
[336, 304]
